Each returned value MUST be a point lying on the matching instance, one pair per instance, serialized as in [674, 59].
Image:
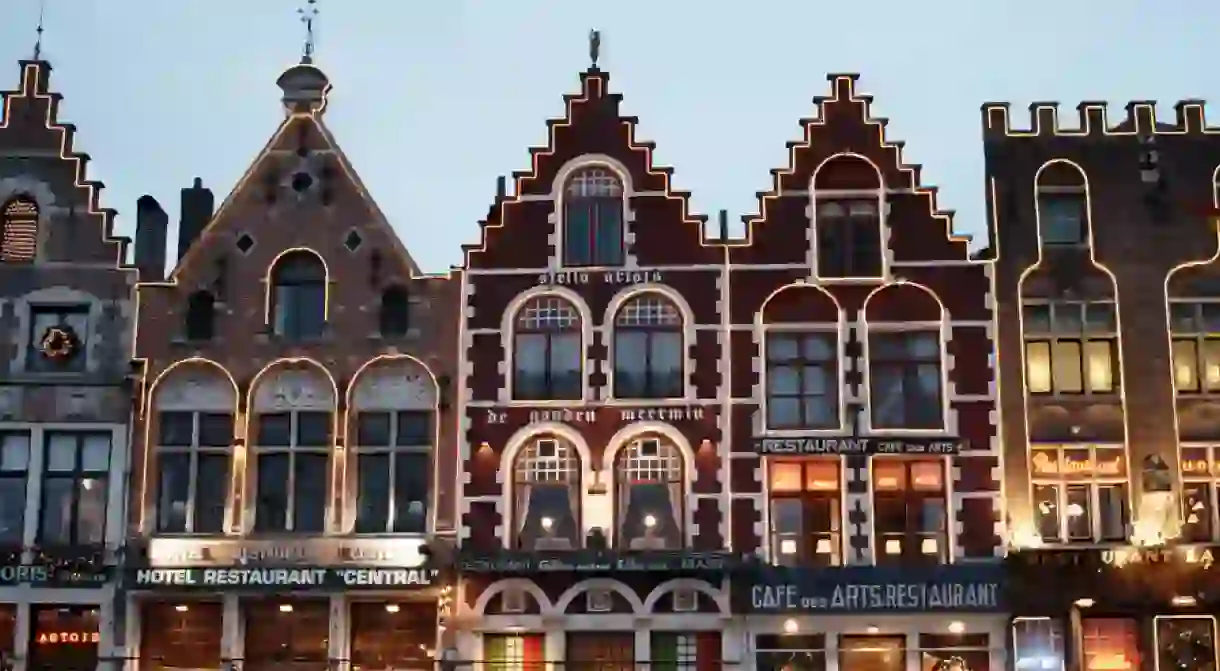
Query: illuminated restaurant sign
[309, 552]
[46, 575]
[68, 637]
[594, 561]
[869, 589]
[296, 578]
[853, 445]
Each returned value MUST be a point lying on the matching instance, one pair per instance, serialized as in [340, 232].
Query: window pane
[57, 494]
[175, 429]
[1036, 318]
[1211, 364]
[274, 430]
[666, 362]
[578, 232]
[211, 493]
[61, 452]
[91, 511]
[1038, 367]
[412, 479]
[787, 477]
[1046, 500]
[1100, 365]
[1209, 322]
[608, 236]
[12, 508]
[530, 366]
[927, 476]
[1185, 365]
[1101, 318]
[271, 506]
[786, 525]
[1108, 643]
[818, 348]
[414, 429]
[1197, 513]
[95, 453]
[1182, 317]
[313, 429]
[1068, 318]
[1067, 369]
[784, 412]
[889, 475]
[782, 348]
[1113, 512]
[14, 452]
[309, 492]
[215, 429]
[373, 429]
[567, 362]
[373, 493]
[630, 363]
[173, 492]
[784, 380]
[1186, 643]
[1061, 219]
[932, 515]
[1079, 513]
[1038, 644]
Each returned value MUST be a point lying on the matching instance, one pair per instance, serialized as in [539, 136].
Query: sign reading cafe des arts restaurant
[870, 589]
[313, 563]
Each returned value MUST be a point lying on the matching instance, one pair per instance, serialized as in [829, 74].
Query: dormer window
[547, 494]
[200, 316]
[19, 231]
[593, 218]
[298, 299]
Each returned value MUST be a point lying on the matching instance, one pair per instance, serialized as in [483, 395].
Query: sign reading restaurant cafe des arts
[315, 563]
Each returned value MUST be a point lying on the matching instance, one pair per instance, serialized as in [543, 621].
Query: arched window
[298, 300]
[547, 358]
[847, 197]
[593, 218]
[904, 370]
[200, 316]
[194, 437]
[19, 241]
[650, 492]
[395, 314]
[546, 482]
[1063, 207]
[648, 356]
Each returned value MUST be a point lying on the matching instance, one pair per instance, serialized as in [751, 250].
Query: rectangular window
[605, 651]
[76, 472]
[1071, 347]
[905, 380]
[58, 338]
[910, 515]
[1110, 643]
[193, 456]
[394, 471]
[1195, 331]
[673, 651]
[1038, 644]
[1080, 492]
[849, 238]
[872, 653]
[14, 477]
[292, 452]
[802, 381]
[1186, 642]
[791, 652]
[514, 652]
[1062, 218]
[806, 517]
[1200, 466]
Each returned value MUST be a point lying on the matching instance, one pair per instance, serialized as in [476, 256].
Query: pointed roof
[305, 89]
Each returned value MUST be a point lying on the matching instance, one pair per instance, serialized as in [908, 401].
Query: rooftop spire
[595, 47]
[308, 13]
[42, 12]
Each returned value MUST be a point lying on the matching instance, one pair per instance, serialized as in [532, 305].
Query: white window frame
[292, 450]
[1083, 337]
[394, 451]
[195, 452]
[1094, 483]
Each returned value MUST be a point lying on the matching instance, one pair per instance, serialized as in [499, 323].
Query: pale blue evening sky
[435, 98]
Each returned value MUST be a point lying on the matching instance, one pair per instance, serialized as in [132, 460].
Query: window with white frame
[1071, 347]
[904, 370]
[593, 218]
[1195, 329]
[1037, 644]
[803, 379]
[394, 471]
[548, 361]
[648, 352]
[14, 481]
[650, 487]
[910, 510]
[292, 457]
[1080, 492]
[546, 483]
[806, 512]
[75, 479]
[1110, 643]
[194, 450]
[1200, 465]
[1186, 642]
[849, 238]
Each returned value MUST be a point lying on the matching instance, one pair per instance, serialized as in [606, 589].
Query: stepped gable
[592, 130]
[844, 127]
[31, 125]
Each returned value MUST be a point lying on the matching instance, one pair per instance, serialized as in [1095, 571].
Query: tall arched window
[546, 496]
[298, 299]
[194, 438]
[593, 218]
[547, 359]
[650, 492]
[19, 241]
[905, 358]
[648, 356]
[292, 440]
[1063, 206]
[848, 198]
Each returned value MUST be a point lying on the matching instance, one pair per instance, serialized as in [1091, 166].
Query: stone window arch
[650, 493]
[546, 495]
[547, 350]
[593, 215]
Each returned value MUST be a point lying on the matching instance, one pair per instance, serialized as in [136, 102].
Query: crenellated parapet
[1093, 120]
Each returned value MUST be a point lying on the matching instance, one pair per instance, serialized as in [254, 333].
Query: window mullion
[289, 507]
[392, 510]
[77, 481]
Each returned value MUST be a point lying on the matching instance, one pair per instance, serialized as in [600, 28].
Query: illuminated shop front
[1116, 609]
[56, 613]
[604, 609]
[865, 618]
[307, 605]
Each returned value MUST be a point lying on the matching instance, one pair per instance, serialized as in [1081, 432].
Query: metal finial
[595, 46]
[42, 12]
[308, 14]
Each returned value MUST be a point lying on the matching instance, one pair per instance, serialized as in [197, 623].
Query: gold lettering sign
[1119, 557]
[60, 637]
[1047, 463]
[1195, 466]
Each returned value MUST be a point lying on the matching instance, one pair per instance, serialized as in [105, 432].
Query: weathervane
[595, 45]
[308, 14]
[42, 11]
